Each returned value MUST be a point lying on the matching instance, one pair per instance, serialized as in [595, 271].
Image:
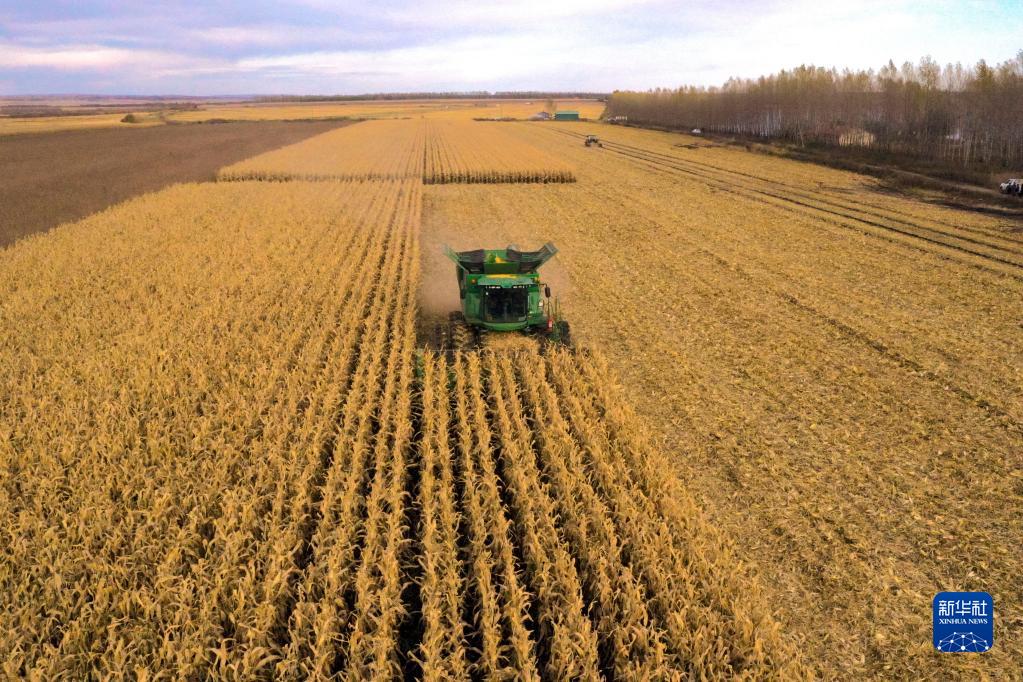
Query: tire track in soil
[800, 208]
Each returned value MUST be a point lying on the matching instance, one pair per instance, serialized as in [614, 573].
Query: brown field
[794, 413]
[58, 177]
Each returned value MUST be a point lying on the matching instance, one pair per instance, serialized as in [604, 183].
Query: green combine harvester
[500, 291]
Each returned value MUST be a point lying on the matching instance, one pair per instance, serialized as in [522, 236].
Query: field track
[998, 249]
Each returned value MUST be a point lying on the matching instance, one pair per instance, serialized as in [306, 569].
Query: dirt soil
[50, 178]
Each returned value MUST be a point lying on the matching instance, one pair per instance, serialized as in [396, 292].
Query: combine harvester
[500, 292]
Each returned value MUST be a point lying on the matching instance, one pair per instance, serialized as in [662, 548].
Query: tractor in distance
[500, 291]
[592, 140]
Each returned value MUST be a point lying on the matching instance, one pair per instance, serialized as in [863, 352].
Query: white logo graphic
[963, 641]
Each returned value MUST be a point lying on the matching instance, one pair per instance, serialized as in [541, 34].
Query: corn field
[226, 451]
[204, 428]
[835, 365]
[225, 458]
[463, 152]
[371, 150]
[439, 151]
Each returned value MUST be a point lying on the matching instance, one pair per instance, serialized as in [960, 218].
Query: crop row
[581, 555]
[437, 151]
[467, 152]
[181, 381]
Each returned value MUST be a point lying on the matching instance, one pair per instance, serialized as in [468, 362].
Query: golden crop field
[437, 151]
[285, 111]
[519, 109]
[180, 373]
[792, 415]
[460, 151]
[370, 150]
[225, 458]
[10, 125]
[451, 109]
[435, 109]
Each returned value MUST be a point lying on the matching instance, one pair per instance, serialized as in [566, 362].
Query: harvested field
[835, 371]
[50, 178]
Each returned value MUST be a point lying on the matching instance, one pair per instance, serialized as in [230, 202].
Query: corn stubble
[224, 458]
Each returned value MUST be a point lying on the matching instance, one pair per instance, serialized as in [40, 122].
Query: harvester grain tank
[500, 291]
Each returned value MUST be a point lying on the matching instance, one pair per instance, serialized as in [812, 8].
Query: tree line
[473, 94]
[962, 115]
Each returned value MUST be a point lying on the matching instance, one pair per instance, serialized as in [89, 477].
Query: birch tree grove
[962, 115]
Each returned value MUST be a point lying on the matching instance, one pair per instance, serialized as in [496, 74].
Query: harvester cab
[500, 291]
[593, 140]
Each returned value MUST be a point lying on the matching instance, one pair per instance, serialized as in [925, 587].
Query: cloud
[138, 65]
[70, 58]
[488, 16]
[321, 46]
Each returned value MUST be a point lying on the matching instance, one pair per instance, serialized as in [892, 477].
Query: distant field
[56, 177]
[11, 125]
[457, 109]
[437, 151]
[285, 111]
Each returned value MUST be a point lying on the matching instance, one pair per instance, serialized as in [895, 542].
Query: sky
[216, 47]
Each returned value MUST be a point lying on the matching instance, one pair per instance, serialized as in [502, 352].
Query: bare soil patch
[50, 178]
